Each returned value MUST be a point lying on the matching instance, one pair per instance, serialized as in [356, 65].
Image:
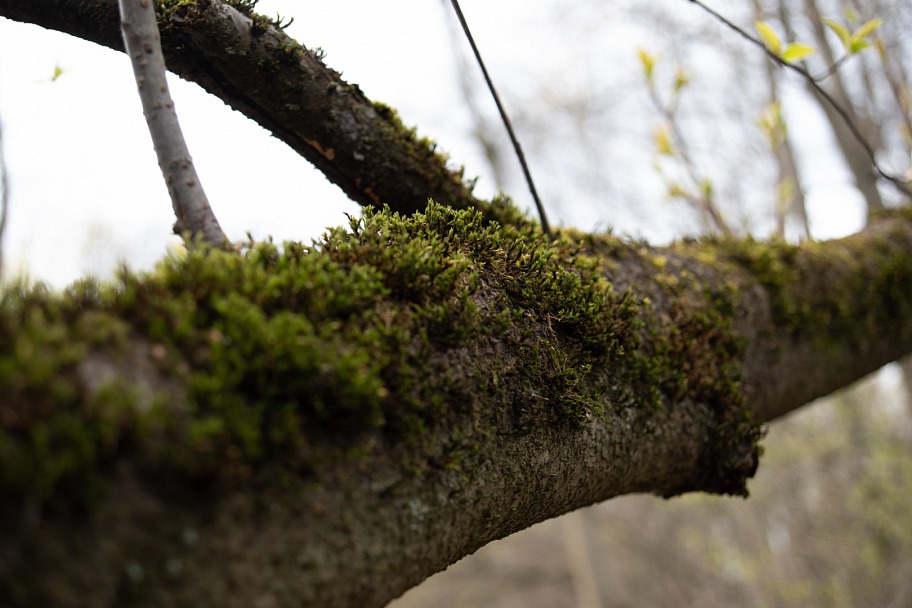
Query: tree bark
[330, 426]
[731, 335]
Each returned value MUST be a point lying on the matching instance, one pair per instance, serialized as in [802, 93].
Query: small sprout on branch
[681, 79]
[663, 141]
[772, 124]
[856, 41]
[648, 61]
[790, 53]
[796, 52]
[769, 37]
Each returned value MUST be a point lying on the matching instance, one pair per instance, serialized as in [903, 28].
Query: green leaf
[663, 141]
[773, 124]
[675, 191]
[858, 41]
[840, 31]
[58, 72]
[682, 79]
[769, 37]
[648, 61]
[865, 29]
[858, 45]
[796, 52]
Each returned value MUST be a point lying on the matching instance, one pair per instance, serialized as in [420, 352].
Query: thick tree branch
[330, 426]
[260, 71]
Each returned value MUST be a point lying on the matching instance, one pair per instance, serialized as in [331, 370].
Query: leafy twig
[902, 185]
[505, 118]
[670, 141]
[143, 44]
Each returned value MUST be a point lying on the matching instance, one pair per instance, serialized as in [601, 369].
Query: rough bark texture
[330, 426]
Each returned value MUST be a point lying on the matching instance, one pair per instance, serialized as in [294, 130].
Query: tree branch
[543, 217]
[191, 206]
[360, 146]
[330, 426]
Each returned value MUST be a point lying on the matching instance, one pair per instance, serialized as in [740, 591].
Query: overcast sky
[86, 189]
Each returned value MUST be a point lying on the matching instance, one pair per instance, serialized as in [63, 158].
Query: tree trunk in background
[857, 160]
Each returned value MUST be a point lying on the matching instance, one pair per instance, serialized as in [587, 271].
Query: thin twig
[481, 127]
[143, 44]
[505, 118]
[834, 67]
[900, 184]
[702, 203]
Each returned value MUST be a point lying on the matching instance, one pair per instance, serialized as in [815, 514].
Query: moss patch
[832, 290]
[216, 363]
[280, 350]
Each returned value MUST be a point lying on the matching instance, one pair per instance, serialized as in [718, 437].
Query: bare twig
[900, 184]
[505, 118]
[481, 127]
[143, 44]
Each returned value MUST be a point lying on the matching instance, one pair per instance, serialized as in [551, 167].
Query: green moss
[283, 350]
[166, 8]
[378, 333]
[828, 291]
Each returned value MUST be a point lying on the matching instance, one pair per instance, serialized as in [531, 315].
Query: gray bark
[143, 44]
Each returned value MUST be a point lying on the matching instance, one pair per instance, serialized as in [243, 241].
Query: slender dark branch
[836, 65]
[143, 44]
[504, 117]
[900, 184]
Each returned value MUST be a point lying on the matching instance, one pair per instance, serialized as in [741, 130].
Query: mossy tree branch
[329, 426]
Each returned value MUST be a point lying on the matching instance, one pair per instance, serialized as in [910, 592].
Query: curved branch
[359, 145]
[191, 206]
[342, 422]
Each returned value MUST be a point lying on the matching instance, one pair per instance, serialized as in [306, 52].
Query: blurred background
[650, 119]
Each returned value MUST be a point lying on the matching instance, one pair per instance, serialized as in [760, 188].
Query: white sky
[86, 189]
